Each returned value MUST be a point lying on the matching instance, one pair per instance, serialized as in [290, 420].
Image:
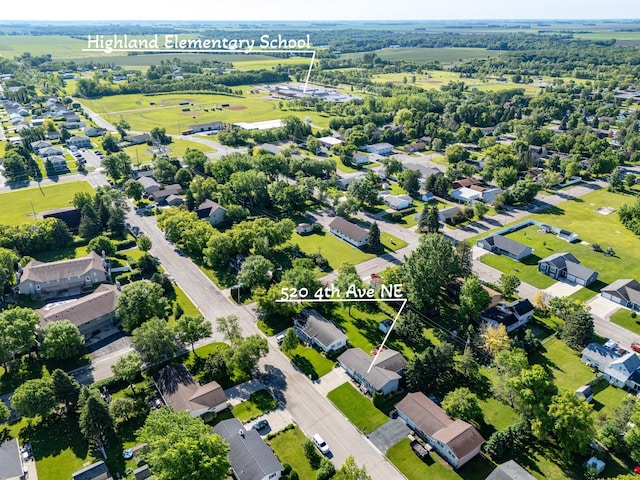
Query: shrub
[326, 470]
[378, 399]
[311, 453]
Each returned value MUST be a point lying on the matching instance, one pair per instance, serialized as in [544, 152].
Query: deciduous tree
[154, 341]
[34, 398]
[62, 340]
[509, 284]
[256, 271]
[191, 328]
[138, 302]
[230, 327]
[463, 404]
[473, 298]
[495, 339]
[573, 424]
[127, 368]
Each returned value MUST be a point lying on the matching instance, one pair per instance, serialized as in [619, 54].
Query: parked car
[635, 347]
[260, 425]
[320, 443]
[280, 339]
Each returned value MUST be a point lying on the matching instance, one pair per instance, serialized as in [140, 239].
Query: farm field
[445, 55]
[39, 199]
[166, 111]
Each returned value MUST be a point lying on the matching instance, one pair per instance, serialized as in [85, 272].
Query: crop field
[144, 112]
[444, 55]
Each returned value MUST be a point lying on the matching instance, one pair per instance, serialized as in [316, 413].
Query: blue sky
[319, 10]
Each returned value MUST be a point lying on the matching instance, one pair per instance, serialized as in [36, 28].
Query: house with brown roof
[64, 277]
[90, 313]
[455, 440]
[180, 391]
[349, 232]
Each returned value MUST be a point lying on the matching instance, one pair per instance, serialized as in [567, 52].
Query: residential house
[95, 471]
[349, 232]
[510, 470]
[91, 313]
[565, 265]
[345, 179]
[69, 215]
[455, 440]
[11, 461]
[39, 145]
[167, 191]
[211, 211]
[94, 131]
[270, 148]
[181, 392]
[142, 473]
[490, 194]
[329, 142]
[427, 196]
[50, 152]
[619, 369]
[149, 184]
[398, 202]
[80, 142]
[383, 377]
[53, 279]
[380, 148]
[512, 315]
[137, 139]
[174, 200]
[415, 147]
[625, 292]
[501, 245]
[313, 328]
[448, 213]
[207, 127]
[464, 182]
[360, 158]
[304, 228]
[567, 236]
[465, 195]
[250, 457]
[56, 162]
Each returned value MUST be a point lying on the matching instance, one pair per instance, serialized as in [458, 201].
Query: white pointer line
[329, 300]
[183, 50]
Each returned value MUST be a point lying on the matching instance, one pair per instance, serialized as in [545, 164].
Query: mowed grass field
[166, 111]
[178, 147]
[578, 216]
[20, 204]
[418, 54]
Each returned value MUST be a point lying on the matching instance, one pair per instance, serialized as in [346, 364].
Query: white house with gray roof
[349, 232]
[385, 374]
[621, 370]
[625, 292]
[501, 245]
[315, 329]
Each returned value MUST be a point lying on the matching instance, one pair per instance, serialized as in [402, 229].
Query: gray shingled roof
[96, 471]
[316, 326]
[510, 471]
[600, 353]
[250, 457]
[348, 229]
[41, 272]
[628, 289]
[10, 459]
[101, 302]
[357, 360]
[506, 244]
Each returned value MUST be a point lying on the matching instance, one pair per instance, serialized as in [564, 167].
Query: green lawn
[259, 403]
[497, 414]
[25, 201]
[336, 251]
[564, 364]
[584, 294]
[625, 318]
[527, 271]
[185, 302]
[434, 468]
[310, 361]
[357, 408]
[177, 148]
[287, 446]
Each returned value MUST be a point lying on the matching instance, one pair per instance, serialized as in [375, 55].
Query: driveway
[561, 289]
[601, 307]
[389, 434]
[331, 381]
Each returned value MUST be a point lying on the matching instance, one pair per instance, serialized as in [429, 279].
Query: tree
[474, 299]
[122, 126]
[573, 424]
[180, 445]
[62, 340]
[480, 209]
[364, 191]
[509, 284]
[164, 170]
[95, 420]
[34, 398]
[505, 177]
[133, 189]
[392, 166]
[102, 244]
[578, 329]
[509, 364]
[65, 388]
[429, 268]
[122, 409]
[326, 470]
[17, 332]
[615, 179]
[8, 260]
[373, 241]
[138, 302]
[195, 159]
[430, 370]
[539, 303]
[5, 413]
[117, 165]
[410, 181]
[463, 404]
[144, 243]
[630, 180]
[495, 339]
[350, 471]
[311, 452]
[290, 341]
[456, 153]
[127, 368]
[154, 340]
[534, 389]
[256, 271]
[89, 223]
[410, 326]
[246, 354]
[429, 220]
[191, 328]
[230, 328]
[524, 191]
